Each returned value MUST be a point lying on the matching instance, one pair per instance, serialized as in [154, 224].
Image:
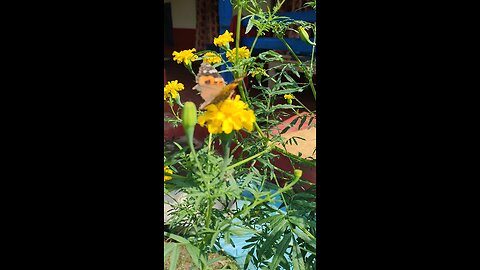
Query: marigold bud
[189, 120]
[304, 35]
[189, 115]
[297, 173]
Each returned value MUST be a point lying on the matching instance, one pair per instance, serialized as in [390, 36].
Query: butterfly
[212, 87]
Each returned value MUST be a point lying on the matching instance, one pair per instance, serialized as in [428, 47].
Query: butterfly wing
[210, 84]
[209, 93]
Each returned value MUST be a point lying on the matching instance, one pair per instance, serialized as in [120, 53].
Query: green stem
[237, 34]
[258, 202]
[302, 65]
[313, 51]
[281, 194]
[226, 156]
[287, 187]
[190, 144]
[296, 99]
[259, 130]
[209, 142]
[209, 213]
[255, 40]
[250, 158]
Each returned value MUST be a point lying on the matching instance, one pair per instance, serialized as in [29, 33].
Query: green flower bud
[297, 173]
[304, 35]
[189, 120]
[189, 115]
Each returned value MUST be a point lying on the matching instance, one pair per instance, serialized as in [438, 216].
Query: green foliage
[213, 183]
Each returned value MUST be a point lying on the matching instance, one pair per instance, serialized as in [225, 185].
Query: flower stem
[237, 34]
[302, 65]
[209, 142]
[250, 158]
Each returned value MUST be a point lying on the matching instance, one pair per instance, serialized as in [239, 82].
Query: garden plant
[239, 190]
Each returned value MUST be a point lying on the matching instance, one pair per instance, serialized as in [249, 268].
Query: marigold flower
[289, 98]
[211, 58]
[223, 39]
[227, 116]
[167, 177]
[171, 89]
[185, 56]
[243, 52]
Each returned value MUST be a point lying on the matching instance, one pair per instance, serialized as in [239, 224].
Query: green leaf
[176, 237]
[290, 79]
[214, 238]
[305, 237]
[285, 106]
[280, 251]
[174, 257]
[270, 56]
[248, 246]
[194, 254]
[241, 231]
[302, 122]
[167, 248]
[295, 71]
[284, 263]
[303, 196]
[285, 129]
[214, 260]
[249, 25]
[272, 237]
[297, 258]
[299, 221]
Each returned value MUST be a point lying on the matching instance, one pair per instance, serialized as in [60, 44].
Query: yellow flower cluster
[227, 116]
[288, 96]
[185, 56]
[243, 52]
[171, 89]
[211, 58]
[166, 177]
[223, 39]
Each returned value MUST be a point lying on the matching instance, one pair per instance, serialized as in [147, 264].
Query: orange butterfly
[211, 85]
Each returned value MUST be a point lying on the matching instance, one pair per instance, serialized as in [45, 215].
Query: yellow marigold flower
[171, 89]
[227, 116]
[289, 98]
[223, 39]
[243, 52]
[185, 56]
[211, 58]
[167, 177]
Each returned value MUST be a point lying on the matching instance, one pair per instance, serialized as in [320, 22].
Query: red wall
[183, 39]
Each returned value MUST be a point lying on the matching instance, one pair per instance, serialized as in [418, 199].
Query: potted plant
[237, 195]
